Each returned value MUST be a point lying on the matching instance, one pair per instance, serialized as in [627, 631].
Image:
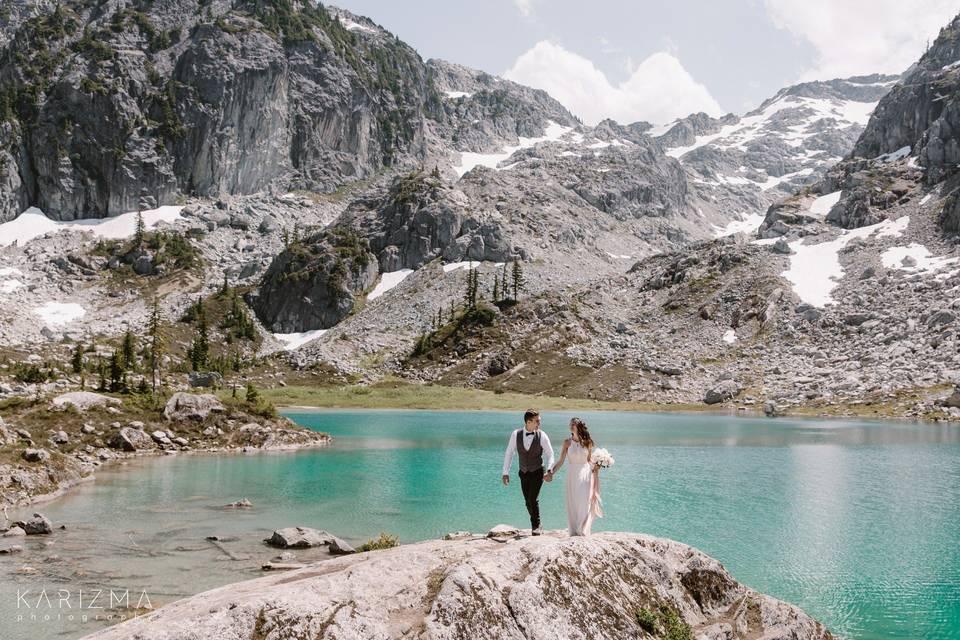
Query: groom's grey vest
[532, 459]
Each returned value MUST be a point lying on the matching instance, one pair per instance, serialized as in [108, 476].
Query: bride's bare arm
[563, 456]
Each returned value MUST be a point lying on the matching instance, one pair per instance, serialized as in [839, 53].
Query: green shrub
[647, 620]
[674, 628]
[384, 541]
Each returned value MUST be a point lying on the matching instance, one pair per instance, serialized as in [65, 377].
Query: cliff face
[477, 589]
[107, 108]
[911, 139]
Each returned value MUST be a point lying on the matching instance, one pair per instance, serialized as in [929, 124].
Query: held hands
[548, 476]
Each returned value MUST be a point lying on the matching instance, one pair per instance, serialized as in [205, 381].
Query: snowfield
[753, 126]
[822, 205]
[387, 282]
[815, 269]
[58, 313]
[747, 224]
[916, 258]
[32, 223]
[293, 341]
[469, 159]
[453, 266]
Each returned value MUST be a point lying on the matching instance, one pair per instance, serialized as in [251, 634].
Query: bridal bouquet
[602, 458]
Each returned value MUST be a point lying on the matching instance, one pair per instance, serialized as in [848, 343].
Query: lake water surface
[856, 522]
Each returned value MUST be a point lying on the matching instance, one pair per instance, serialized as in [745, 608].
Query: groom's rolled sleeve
[548, 449]
[508, 456]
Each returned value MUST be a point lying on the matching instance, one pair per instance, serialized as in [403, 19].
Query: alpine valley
[335, 210]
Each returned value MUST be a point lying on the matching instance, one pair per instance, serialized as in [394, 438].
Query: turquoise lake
[856, 522]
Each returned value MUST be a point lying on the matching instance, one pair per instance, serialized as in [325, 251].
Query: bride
[583, 488]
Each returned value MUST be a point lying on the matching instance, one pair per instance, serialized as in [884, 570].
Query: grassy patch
[399, 394]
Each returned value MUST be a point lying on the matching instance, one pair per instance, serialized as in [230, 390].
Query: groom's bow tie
[530, 433]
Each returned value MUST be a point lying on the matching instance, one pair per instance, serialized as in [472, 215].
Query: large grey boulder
[298, 537]
[35, 455]
[192, 406]
[130, 439]
[340, 547]
[208, 379]
[551, 586]
[722, 391]
[83, 400]
[37, 525]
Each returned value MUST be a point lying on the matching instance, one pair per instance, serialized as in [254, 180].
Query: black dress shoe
[538, 531]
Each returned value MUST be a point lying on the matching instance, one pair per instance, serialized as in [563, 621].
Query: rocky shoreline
[610, 585]
[35, 470]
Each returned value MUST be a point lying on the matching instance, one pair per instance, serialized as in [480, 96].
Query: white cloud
[658, 90]
[855, 37]
[525, 7]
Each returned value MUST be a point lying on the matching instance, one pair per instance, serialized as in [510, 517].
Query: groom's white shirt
[527, 441]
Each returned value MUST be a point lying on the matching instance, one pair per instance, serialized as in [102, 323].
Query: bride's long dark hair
[583, 434]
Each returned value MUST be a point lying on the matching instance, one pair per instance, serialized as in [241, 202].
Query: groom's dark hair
[530, 415]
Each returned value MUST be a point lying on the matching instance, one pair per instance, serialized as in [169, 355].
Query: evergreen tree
[157, 340]
[116, 372]
[253, 396]
[76, 359]
[102, 371]
[225, 289]
[496, 287]
[128, 351]
[140, 232]
[518, 280]
[473, 285]
[200, 349]
[237, 365]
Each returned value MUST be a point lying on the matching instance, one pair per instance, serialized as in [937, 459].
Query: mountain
[843, 303]
[346, 188]
[746, 163]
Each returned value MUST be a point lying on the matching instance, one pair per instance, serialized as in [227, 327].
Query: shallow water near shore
[856, 522]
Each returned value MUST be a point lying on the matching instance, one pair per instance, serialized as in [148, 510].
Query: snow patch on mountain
[822, 205]
[470, 160]
[754, 126]
[59, 313]
[293, 341]
[388, 281]
[32, 223]
[748, 223]
[916, 258]
[815, 268]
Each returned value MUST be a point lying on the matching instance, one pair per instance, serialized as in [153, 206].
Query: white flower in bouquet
[602, 458]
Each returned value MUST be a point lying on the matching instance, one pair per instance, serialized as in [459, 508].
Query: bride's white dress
[582, 507]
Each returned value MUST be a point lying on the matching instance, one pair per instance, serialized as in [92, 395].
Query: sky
[634, 60]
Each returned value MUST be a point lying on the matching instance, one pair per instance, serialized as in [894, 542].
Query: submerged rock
[340, 547]
[37, 525]
[550, 586]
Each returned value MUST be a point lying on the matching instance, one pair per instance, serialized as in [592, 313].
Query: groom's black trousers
[530, 482]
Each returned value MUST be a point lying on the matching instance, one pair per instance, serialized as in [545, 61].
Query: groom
[529, 443]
